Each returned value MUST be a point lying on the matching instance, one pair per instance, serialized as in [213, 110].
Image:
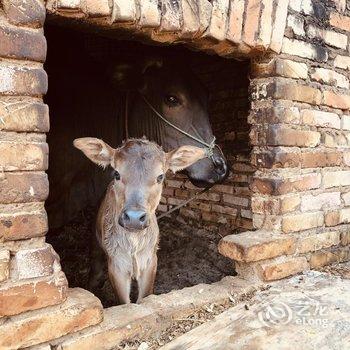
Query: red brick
[235, 23]
[29, 13]
[23, 225]
[15, 299]
[336, 100]
[80, 310]
[278, 270]
[23, 187]
[279, 135]
[276, 157]
[22, 80]
[254, 246]
[339, 21]
[20, 43]
[320, 159]
[338, 255]
[251, 22]
[18, 114]
[23, 156]
[278, 186]
[4, 264]
[33, 263]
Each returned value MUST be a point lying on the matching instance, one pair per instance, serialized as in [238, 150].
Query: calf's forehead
[140, 158]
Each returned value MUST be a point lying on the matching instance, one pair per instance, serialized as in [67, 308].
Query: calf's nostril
[220, 166]
[143, 218]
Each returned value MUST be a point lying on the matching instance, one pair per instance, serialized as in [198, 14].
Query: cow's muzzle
[134, 219]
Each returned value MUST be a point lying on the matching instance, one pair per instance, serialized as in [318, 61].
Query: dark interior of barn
[83, 101]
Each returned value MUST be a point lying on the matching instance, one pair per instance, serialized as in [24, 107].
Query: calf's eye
[160, 178]
[116, 175]
[171, 100]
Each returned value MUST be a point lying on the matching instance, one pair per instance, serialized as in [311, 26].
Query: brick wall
[300, 130]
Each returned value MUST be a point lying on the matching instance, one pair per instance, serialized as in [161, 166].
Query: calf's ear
[96, 150]
[183, 157]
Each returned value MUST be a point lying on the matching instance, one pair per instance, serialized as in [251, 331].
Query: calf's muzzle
[134, 219]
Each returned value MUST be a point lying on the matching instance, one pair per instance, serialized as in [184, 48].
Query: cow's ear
[183, 157]
[96, 150]
[125, 76]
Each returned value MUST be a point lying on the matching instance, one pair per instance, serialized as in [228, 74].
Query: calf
[126, 226]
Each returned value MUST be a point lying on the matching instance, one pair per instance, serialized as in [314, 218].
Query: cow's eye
[160, 178]
[116, 175]
[171, 100]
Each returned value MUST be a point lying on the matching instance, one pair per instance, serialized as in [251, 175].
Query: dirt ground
[187, 255]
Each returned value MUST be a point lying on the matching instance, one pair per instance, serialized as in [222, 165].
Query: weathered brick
[301, 222]
[254, 246]
[330, 37]
[150, 14]
[304, 49]
[267, 222]
[29, 13]
[340, 5]
[23, 225]
[19, 298]
[296, 24]
[232, 199]
[336, 100]
[80, 310]
[219, 15]
[320, 259]
[280, 135]
[345, 122]
[23, 115]
[224, 210]
[235, 22]
[280, 67]
[265, 23]
[4, 264]
[251, 22]
[214, 217]
[21, 156]
[274, 115]
[290, 203]
[320, 118]
[336, 178]
[339, 21]
[277, 157]
[266, 205]
[346, 198]
[224, 188]
[288, 267]
[332, 218]
[33, 263]
[289, 90]
[320, 201]
[22, 80]
[20, 43]
[318, 241]
[171, 15]
[279, 25]
[320, 159]
[335, 139]
[342, 62]
[279, 186]
[302, 6]
[23, 187]
[345, 238]
[98, 8]
[330, 77]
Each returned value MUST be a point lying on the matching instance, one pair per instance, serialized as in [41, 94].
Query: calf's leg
[145, 282]
[121, 283]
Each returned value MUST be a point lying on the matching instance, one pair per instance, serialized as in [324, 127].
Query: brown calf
[126, 226]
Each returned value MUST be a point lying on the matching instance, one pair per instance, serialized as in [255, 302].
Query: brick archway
[300, 138]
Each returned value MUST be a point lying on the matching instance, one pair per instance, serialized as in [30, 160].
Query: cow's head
[139, 167]
[178, 95]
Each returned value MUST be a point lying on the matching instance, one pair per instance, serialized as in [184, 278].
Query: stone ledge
[255, 246]
[81, 309]
[154, 314]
